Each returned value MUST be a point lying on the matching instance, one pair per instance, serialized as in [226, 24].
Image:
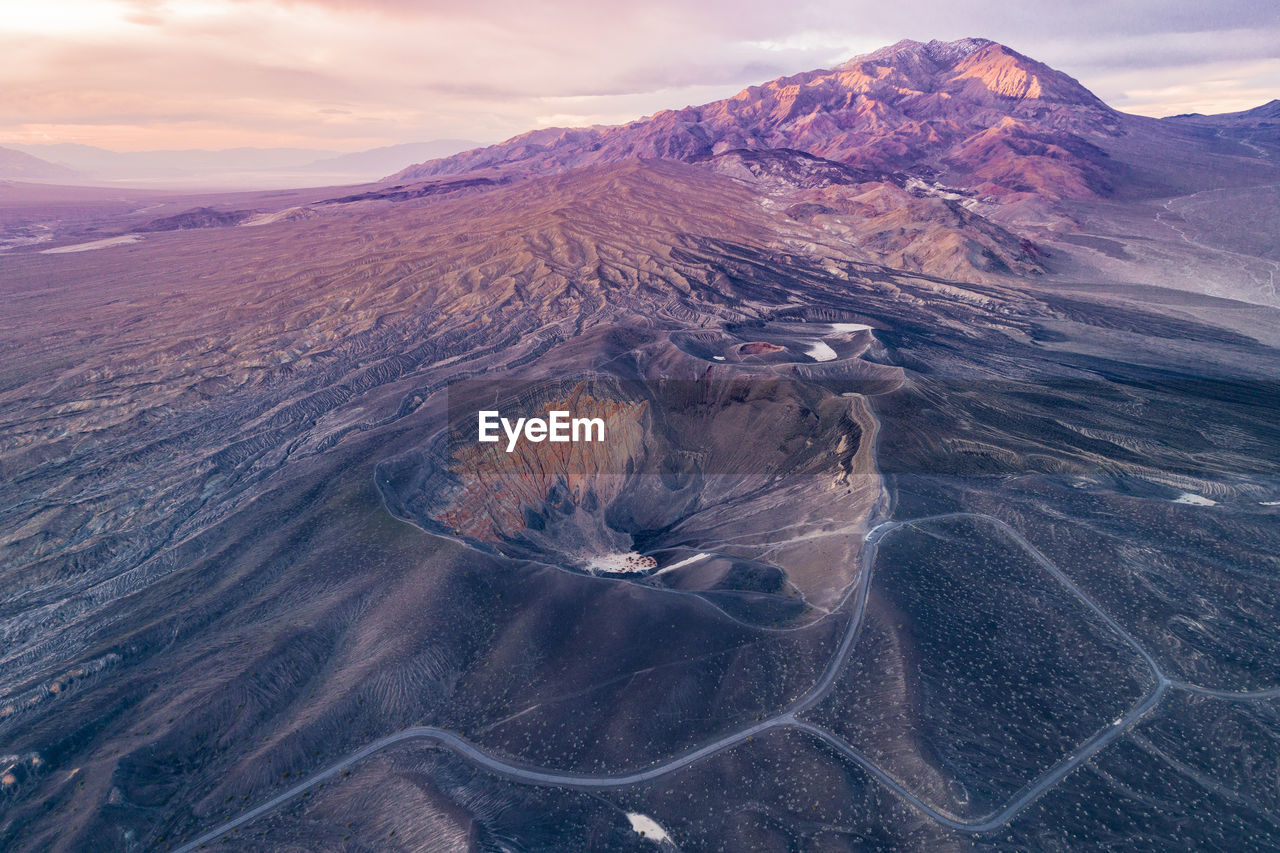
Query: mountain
[1266, 115]
[1268, 112]
[1255, 131]
[238, 166]
[18, 165]
[379, 161]
[114, 165]
[911, 152]
[973, 112]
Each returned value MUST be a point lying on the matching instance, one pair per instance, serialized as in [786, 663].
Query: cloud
[346, 74]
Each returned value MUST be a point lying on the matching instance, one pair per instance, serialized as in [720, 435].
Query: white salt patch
[647, 826]
[820, 351]
[269, 218]
[1194, 500]
[94, 244]
[937, 190]
[622, 563]
[686, 561]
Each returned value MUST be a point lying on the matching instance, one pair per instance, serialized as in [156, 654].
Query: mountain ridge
[88, 163]
[910, 105]
[20, 165]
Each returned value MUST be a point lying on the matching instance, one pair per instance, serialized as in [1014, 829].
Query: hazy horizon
[138, 75]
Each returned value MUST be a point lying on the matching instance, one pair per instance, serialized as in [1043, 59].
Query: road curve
[858, 595]
[1229, 695]
[1025, 797]
[500, 767]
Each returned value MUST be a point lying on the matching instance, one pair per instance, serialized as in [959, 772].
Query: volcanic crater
[690, 461]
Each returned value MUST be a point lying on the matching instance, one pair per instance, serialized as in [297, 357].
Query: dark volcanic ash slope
[190, 443]
[207, 594]
[197, 378]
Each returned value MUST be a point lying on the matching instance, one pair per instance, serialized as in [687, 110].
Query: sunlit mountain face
[885, 457]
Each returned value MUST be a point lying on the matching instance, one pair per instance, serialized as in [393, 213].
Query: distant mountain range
[972, 114]
[73, 163]
[1267, 115]
[378, 162]
[18, 165]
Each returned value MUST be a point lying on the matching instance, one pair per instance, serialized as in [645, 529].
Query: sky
[348, 75]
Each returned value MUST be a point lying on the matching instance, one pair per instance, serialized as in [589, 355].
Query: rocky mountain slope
[971, 108]
[958, 159]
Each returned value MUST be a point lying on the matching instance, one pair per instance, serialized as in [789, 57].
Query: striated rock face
[937, 107]
[495, 495]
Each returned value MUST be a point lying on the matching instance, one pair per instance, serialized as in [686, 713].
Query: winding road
[858, 593]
